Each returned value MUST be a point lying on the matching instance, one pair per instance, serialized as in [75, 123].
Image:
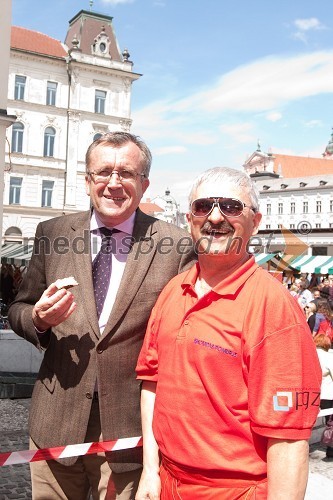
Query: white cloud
[311, 23]
[313, 123]
[266, 84]
[207, 118]
[305, 25]
[274, 116]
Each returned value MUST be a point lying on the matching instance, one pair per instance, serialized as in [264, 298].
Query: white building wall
[315, 226]
[75, 123]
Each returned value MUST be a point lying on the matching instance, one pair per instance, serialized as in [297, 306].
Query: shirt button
[100, 350]
[88, 395]
[186, 322]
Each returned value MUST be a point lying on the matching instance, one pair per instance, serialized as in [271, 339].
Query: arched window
[13, 231]
[49, 137]
[97, 136]
[13, 234]
[17, 137]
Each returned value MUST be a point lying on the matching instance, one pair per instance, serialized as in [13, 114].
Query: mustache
[221, 226]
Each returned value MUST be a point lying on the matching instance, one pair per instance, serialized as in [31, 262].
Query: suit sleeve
[30, 291]
[184, 249]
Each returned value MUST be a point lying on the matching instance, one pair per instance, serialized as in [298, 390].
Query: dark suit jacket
[75, 352]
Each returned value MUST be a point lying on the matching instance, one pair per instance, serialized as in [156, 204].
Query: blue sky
[217, 76]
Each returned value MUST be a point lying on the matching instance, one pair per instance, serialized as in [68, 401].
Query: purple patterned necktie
[101, 268]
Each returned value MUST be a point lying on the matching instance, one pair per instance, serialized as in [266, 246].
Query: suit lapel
[137, 265]
[81, 258]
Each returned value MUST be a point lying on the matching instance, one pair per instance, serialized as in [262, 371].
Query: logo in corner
[282, 401]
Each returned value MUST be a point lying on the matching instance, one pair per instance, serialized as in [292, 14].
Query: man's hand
[149, 486]
[53, 308]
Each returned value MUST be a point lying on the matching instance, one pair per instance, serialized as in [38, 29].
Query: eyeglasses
[104, 176]
[231, 207]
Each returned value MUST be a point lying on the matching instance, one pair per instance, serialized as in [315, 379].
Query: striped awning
[263, 258]
[284, 262]
[16, 253]
[319, 264]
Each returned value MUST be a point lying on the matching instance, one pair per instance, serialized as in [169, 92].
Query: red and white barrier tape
[71, 450]
[76, 450]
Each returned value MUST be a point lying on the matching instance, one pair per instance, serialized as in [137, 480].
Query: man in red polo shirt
[231, 378]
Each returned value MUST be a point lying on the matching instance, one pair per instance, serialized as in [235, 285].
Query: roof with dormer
[34, 41]
[299, 184]
[86, 26]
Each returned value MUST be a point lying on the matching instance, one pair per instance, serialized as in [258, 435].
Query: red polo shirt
[233, 368]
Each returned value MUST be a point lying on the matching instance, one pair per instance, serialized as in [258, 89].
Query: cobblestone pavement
[15, 479]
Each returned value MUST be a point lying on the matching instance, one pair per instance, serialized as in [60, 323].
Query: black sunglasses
[231, 207]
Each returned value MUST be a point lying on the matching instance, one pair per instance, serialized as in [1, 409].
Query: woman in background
[323, 345]
[323, 323]
[310, 313]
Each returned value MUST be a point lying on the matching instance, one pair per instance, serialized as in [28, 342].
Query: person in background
[323, 345]
[293, 290]
[225, 364]
[304, 294]
[323, 322]
[310, 313]
[91, 335]
[316, 295]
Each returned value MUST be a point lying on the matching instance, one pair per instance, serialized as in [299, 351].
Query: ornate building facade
[63, 95]
[296, 194]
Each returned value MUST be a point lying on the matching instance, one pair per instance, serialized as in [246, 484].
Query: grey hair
[118, 139]
[220, 175]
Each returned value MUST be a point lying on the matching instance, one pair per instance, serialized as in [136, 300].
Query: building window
[305, 207]
[15, 190]
[19, 87]
[268, 226]
[318, 207]
[331, 205]
[100, 98]
[51, 93]
[292, 207]
[268, 209]
[47, 190]
[318, 226]
[49, 136]
[97, 136]
[292, 226]
[279, 226]
[280, 208]
[331, 225]
[17, 137]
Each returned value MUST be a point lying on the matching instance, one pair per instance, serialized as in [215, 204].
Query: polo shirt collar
[230, 285]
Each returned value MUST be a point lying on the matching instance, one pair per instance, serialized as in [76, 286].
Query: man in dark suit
[86, 388]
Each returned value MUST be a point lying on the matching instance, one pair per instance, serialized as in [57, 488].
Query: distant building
[170, 211]
[296, 193]
[64, 95]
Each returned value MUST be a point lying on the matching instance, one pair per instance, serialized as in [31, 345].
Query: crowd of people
[317, 304]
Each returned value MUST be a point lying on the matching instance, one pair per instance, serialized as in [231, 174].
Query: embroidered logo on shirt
[298, 398]
[283, 401]
[215, 347]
